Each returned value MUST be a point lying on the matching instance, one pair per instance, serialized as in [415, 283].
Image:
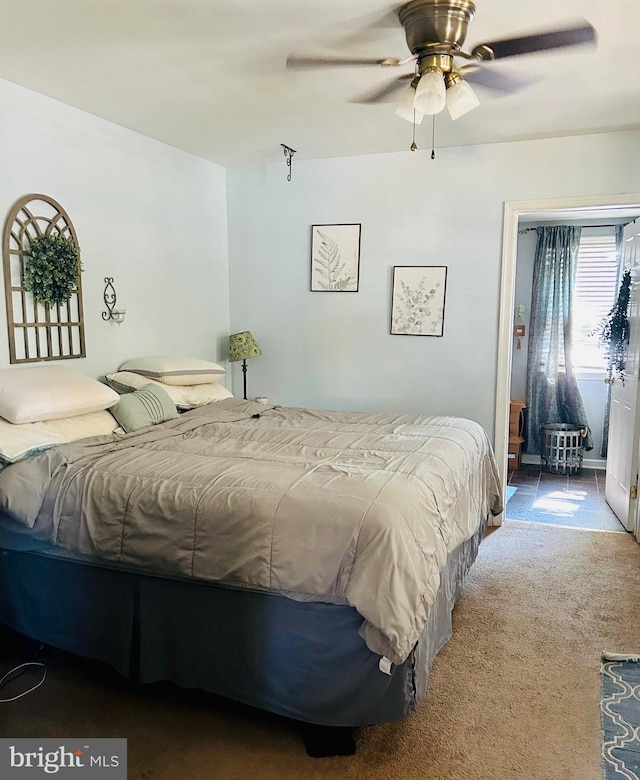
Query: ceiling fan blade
[528, 44]
[385, 92]
[295, 62]
[483, 76]
[368, 26]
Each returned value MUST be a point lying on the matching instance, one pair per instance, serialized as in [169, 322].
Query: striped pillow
[149, 406]
[175, 370]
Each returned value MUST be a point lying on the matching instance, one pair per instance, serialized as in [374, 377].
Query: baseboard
[587, 463]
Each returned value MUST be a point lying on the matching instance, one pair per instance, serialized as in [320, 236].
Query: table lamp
[241, 347]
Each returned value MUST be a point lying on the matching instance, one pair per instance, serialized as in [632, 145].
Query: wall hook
[288, 153]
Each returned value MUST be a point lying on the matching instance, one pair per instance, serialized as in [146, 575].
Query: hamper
[562, 447]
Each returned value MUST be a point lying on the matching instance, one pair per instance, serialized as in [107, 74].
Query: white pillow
[18, 441]
[176, 370]
[183, 397]
[48, 392]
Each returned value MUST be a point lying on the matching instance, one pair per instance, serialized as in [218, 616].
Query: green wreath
[52, 269]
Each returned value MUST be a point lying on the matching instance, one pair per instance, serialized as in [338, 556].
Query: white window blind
[595, 291]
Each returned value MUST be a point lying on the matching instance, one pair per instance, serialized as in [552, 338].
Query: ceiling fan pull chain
[416, 78]
[414, 146]
[433, 137]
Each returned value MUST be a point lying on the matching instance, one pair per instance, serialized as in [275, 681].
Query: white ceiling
[208, 76]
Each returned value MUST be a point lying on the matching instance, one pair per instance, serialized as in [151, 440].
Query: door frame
[513, 211]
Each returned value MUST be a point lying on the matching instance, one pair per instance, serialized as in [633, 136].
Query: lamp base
[244, 378]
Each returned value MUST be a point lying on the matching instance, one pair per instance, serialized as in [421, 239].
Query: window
[596, 287]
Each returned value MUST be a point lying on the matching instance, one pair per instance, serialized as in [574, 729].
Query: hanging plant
[613, 330]
[52, 269]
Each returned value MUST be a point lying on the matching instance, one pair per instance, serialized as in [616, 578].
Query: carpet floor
[515, 694]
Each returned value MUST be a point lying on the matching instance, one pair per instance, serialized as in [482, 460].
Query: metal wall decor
[288, 153]
[38, 331]
[110, 298]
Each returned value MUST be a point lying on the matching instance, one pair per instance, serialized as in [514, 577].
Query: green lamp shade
[242, 346]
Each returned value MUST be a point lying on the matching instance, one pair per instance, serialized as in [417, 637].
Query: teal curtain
[553, 395]
[619, 232]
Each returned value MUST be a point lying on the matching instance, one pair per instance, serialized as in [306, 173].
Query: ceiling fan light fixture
[406, 105]
[431, 93]
[460, 99]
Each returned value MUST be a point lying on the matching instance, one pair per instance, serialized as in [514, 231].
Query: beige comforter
[344, 507]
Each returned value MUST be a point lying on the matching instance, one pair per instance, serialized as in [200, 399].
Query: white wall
[334, 349]
[155, 219]
[145, 213]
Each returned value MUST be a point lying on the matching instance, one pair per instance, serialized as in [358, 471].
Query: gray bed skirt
[302, 660]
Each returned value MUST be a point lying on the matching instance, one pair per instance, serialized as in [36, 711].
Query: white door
[622, 449]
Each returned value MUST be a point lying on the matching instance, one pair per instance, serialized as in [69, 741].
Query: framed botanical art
[335, 258]
[417, 300]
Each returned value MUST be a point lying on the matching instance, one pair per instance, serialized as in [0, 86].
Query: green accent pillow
[148, 406]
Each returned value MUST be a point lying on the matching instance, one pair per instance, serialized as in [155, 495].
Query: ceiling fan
[435, 31]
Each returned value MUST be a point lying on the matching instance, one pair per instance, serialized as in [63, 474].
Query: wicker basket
[562, 447]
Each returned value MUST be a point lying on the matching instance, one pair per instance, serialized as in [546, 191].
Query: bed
[301, 561]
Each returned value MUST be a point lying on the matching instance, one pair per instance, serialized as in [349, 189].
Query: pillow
[142, 408]
[183, 397]
[176, 370]
[49, 392]
[20, 441]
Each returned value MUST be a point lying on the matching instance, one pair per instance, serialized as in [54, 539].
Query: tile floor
[576, 501]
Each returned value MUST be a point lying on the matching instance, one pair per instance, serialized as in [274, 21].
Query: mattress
[345, 508]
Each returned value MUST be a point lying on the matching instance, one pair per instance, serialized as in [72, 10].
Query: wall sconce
[109, 297]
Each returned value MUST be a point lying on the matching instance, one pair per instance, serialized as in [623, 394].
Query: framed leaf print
[417, 300]
[335, 258]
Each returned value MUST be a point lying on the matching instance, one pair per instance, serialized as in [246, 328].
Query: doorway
[573, 501]
[544, 210]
